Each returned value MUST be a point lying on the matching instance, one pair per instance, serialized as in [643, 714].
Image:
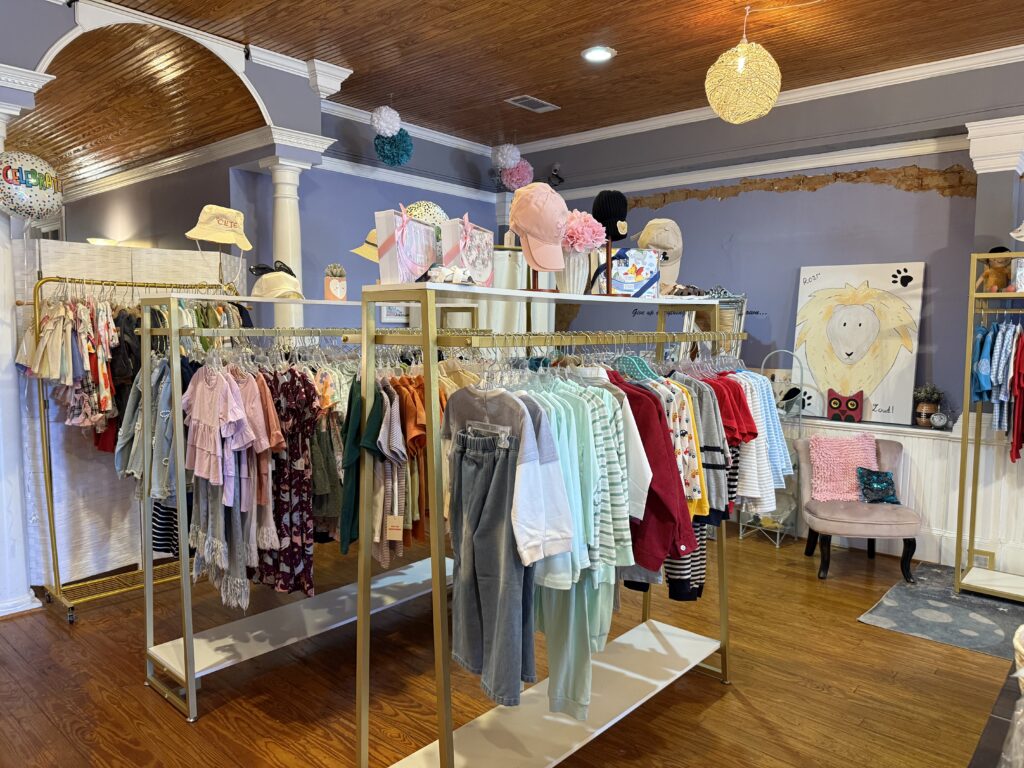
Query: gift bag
[407, 247]
[470, 247]
[635, 273]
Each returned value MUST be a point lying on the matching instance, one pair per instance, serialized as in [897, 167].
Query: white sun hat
[220, 225]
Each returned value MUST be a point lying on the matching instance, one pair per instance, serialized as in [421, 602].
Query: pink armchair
[857, 519]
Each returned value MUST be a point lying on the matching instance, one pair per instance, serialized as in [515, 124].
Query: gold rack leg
[965, 420]
[975, 480]
[369, 372]
[439, 576]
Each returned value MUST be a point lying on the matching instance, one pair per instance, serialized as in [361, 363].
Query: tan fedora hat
[220, 225]
[368, 250]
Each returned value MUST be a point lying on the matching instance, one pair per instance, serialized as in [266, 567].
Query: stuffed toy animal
[996, 275]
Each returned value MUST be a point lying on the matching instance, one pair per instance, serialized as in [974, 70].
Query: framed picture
[395, 314]
[856, 334]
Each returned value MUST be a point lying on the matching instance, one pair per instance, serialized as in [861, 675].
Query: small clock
[939, 420]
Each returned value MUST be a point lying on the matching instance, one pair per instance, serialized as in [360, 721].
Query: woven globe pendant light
[744, 83]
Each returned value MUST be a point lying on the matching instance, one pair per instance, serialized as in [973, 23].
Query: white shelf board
[447, 290]
[632, 668]
[252, 636]
[994, 582]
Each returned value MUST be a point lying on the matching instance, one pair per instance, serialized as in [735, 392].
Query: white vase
[576, 275]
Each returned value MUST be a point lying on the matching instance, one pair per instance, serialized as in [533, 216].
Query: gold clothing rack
[430, 340]
[86, 590]
[968, 576]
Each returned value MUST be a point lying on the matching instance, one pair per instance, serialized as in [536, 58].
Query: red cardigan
[666, 529]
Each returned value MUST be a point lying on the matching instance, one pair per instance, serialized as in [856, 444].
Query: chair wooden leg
[909, 547]
[871, 549]
[812, 542]
[825, 544]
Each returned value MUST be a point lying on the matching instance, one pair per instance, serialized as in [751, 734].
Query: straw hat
[368, 250]
[220, 225]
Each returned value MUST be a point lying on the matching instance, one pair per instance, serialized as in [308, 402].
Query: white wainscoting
[928, 482]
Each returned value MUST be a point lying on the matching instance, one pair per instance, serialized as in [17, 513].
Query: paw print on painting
[902, 277]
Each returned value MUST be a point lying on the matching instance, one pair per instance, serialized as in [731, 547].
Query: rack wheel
[71, 615]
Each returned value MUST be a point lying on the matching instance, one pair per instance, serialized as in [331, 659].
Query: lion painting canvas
[857, 334]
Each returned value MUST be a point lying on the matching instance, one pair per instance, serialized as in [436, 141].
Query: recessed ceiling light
[598, 54]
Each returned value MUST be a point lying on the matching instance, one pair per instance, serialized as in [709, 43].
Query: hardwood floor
[811, 686]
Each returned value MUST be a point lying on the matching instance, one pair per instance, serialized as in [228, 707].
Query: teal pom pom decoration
[394, 150]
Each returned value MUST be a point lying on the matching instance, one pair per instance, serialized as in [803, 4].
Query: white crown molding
[997, 145]
[783, 165]
[243, 142]
[427, 134]
[22, 79]
[93, 14]
[277, 61]
[289, 137]
[326, 79]
[995, 58]
[390, 176]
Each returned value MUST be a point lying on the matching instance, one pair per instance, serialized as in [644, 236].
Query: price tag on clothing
[395, 527]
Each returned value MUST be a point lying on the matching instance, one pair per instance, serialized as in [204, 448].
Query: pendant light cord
[750, 9]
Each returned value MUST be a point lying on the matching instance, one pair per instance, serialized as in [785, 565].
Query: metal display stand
[70, 595]
[188, 658]
[633, 667]
[775, 530]
[970, 577]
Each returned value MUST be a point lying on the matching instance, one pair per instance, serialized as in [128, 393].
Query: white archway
[95, 14]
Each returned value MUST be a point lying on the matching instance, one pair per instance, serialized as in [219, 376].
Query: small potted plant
[926, 402]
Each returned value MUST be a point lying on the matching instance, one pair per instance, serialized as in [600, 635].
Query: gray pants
[492, 596]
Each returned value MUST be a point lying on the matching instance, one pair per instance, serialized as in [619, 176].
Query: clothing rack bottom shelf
[632, 668]
[1006, 585]
[238, 641]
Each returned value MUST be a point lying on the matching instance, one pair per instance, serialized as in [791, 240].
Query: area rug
[932, 610]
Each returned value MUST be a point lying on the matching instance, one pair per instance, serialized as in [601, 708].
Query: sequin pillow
[834, 462]
[876, 487]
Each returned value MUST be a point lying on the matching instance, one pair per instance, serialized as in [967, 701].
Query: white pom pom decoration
[385, 121]
[505, 156]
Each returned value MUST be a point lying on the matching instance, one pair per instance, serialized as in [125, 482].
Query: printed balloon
[29, 187]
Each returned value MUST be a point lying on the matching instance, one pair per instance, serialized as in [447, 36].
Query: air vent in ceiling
[532, 103]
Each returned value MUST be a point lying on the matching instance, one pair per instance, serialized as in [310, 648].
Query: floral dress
[290, 568]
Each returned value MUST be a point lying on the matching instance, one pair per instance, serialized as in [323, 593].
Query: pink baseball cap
[538, 216]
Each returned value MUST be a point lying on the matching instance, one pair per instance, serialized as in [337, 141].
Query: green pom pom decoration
[394, 150]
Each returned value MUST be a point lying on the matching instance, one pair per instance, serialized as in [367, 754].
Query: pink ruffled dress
[213, 410]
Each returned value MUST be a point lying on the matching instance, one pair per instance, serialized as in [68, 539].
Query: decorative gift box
[470, 247]
[635, 272]
[407, 247]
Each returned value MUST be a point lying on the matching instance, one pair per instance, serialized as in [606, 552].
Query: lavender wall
[756, 244]
[337, 213]
[155, 213]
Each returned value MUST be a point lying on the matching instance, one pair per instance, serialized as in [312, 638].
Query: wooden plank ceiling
[449, 64]
[130, 94]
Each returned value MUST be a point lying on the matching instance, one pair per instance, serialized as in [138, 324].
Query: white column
[15, 593]
[997, 151]
[284, 174]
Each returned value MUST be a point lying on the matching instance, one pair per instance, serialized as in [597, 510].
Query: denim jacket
[163, 440]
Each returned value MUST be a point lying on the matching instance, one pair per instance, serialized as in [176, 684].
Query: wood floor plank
[812, 688]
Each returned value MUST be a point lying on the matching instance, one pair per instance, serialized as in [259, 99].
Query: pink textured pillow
[834, 462]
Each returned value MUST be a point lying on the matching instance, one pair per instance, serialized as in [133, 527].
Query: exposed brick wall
[954, 181]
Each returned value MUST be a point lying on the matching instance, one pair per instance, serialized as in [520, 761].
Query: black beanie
[610, 207]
